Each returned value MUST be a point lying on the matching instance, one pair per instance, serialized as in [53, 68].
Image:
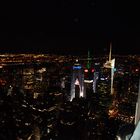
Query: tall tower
[96, 77]
[110, 53]
[89, 60]
[88, 71]
[88, 75]
[111, 65]
[77, 80]
[137, 113]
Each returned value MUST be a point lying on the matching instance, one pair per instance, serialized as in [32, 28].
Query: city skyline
[69, 70]
[36, 89]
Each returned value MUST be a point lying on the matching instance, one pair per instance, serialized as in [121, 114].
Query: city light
[75, 75]
[88, 81]
[58, 99]
[86, 70]
[77, 67]
[92, 70]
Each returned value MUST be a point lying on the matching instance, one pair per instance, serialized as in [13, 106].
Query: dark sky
[71, 26]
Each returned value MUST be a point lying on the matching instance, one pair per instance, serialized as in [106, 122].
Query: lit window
[92, 70]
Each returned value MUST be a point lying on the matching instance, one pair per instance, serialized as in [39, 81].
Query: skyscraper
[111, 64]
[96, 77]
[77, 80]
[88, 75]
[88, 71]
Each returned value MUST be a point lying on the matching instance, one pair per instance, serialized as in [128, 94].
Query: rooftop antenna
[110, 53]
[89, 58]
[111, 64]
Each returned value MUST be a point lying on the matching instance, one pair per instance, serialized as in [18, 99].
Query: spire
[110, 52]
[88, 54]
[111, 64]
[89, 60]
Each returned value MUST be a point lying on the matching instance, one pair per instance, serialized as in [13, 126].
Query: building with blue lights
[77, 80]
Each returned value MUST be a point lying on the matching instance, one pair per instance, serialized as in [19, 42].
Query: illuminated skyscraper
[77, 89]
[96, 77]
[91, 75]
[88, 75]
[89, 60]
[111, 65]
[88, 71]
[28, 79]
[77, 80]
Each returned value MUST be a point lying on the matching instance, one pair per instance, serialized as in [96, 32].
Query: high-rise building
[91, 75]
[77, 79]
[88, 75]
[111, 65]
[95, 80]
[77, 91]
[28, 79]
[96, 76]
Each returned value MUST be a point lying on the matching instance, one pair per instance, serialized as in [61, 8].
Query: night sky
[71, 26]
